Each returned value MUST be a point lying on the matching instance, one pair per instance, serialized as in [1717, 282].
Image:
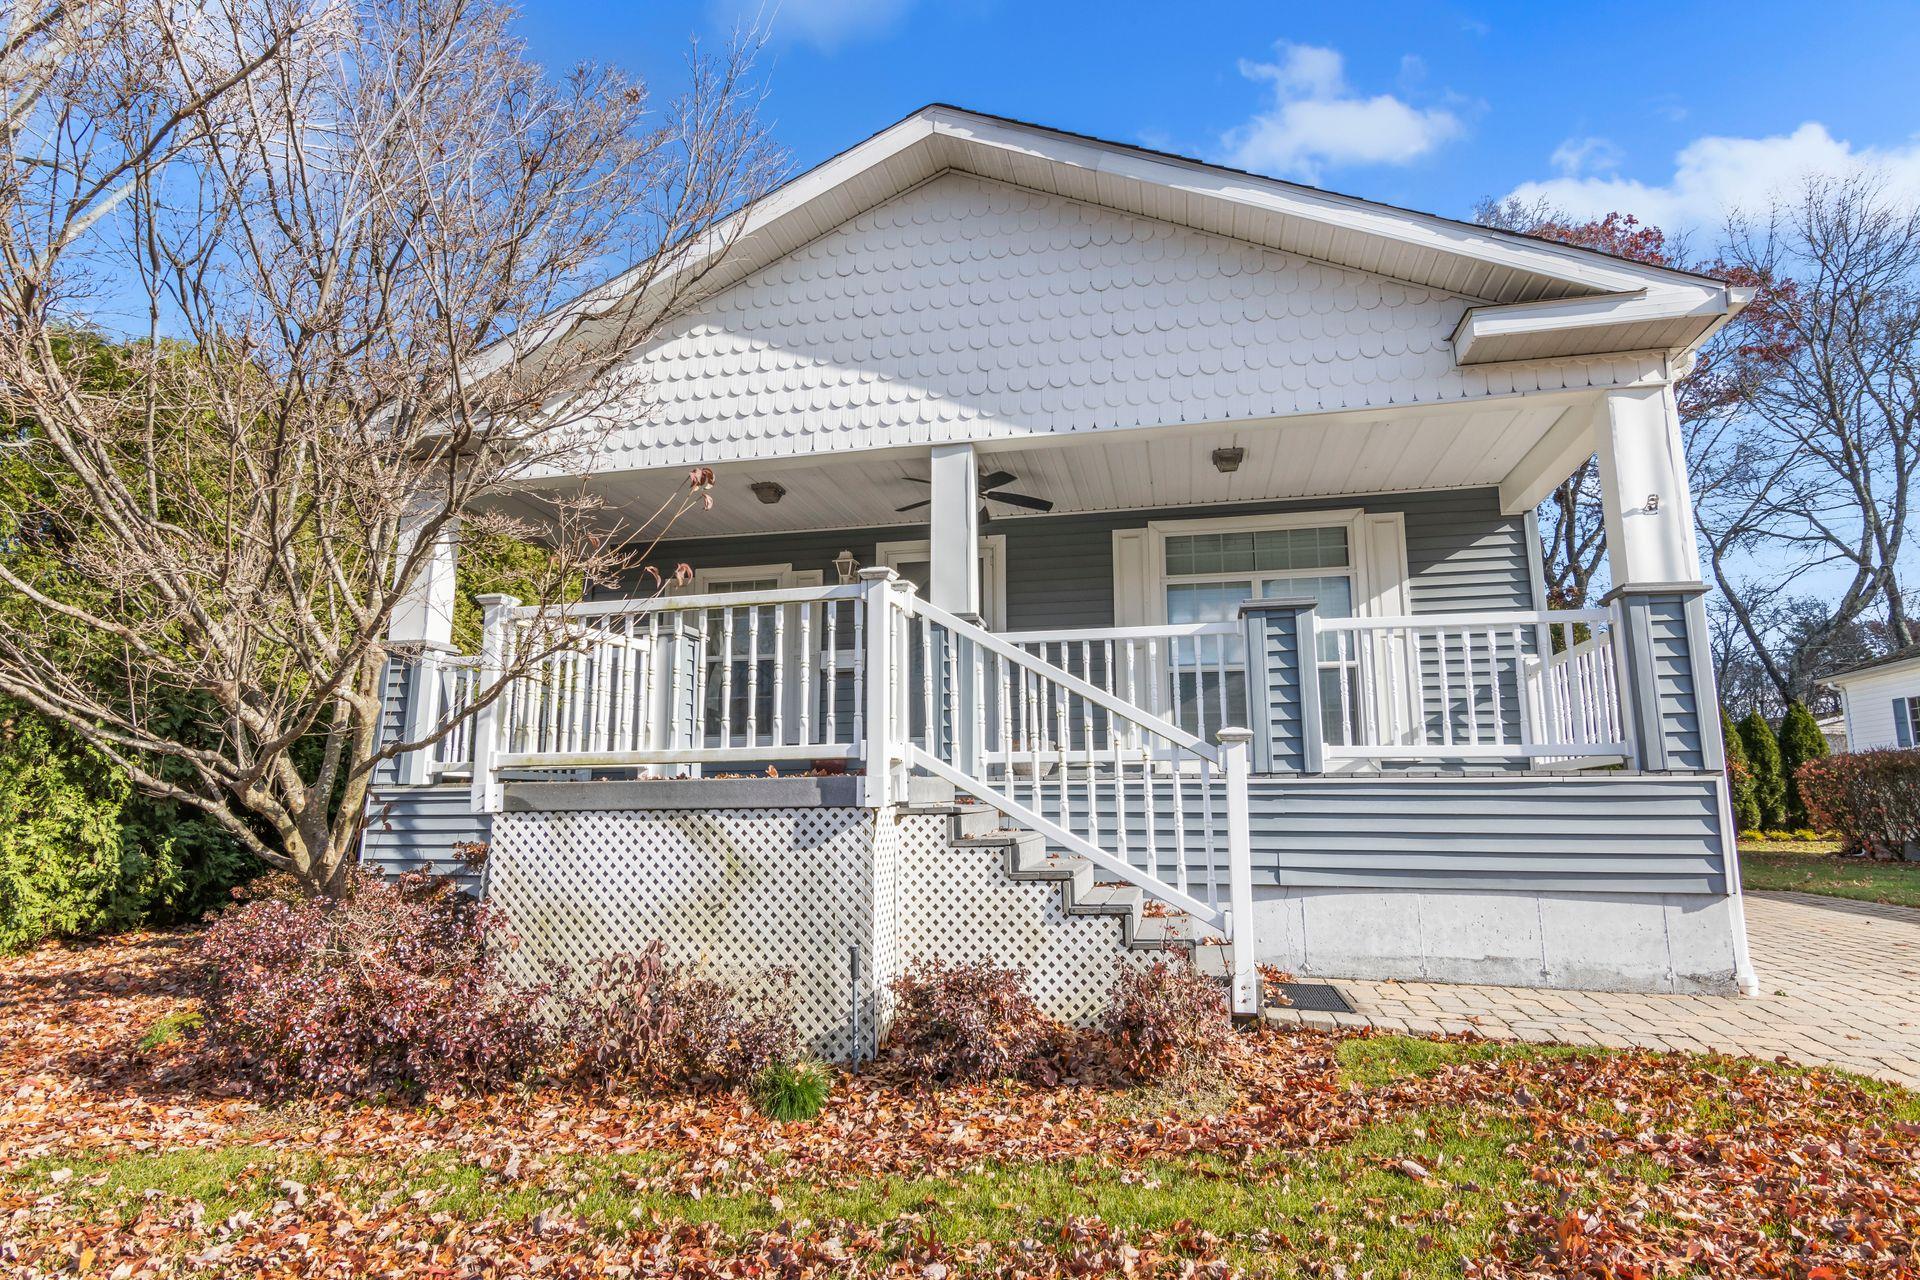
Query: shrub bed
[394, 989]
[1871, 798]
[1166, 1020]
[955, 1023]
[644, 1022]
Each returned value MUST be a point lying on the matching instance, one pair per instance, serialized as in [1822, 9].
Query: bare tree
[284, 295]
[1820, 465]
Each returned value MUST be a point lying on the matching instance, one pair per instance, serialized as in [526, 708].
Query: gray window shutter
[1903, 721]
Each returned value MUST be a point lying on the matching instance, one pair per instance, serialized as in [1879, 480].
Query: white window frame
[993, 570]
[783, 574]
[1376, 555]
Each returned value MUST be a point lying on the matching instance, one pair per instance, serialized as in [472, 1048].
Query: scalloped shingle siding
[968, 309]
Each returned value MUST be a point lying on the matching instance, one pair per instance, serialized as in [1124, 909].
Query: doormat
[1315, 997]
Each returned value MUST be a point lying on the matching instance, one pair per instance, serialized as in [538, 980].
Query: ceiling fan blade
[997, 479]
[915, 480]
[914, 506]
[1021, 500]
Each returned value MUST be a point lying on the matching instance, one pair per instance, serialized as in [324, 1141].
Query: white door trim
[993, 570]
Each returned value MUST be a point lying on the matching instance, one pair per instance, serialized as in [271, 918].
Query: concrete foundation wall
[1581, 941]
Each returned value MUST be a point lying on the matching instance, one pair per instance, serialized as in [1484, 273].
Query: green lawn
[1814, 866]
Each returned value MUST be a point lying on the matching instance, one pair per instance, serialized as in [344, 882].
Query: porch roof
[1332, 455]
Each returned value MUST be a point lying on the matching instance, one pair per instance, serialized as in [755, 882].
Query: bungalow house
[1116, 552]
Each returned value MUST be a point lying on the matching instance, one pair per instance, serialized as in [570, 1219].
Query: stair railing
[1135, 794]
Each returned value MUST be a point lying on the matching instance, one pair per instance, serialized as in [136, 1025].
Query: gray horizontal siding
[1680, 724]
[1631, 835]
[1462, 553]
[415, 829]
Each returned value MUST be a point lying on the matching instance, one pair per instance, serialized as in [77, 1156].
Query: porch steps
[1145, 925]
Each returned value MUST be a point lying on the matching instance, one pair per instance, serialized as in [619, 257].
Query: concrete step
[925, 792]
[971, 820]
[1174, 931]
[1111, 899]
[1214, 961]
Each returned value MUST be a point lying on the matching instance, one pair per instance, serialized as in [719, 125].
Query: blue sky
[1675, 112]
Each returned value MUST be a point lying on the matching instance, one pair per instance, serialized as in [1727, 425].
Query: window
[1208, 575]
[1910, 735]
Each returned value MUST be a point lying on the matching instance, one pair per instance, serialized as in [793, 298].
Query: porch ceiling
[1335, 455]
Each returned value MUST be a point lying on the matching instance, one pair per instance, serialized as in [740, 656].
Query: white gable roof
[1621, 305]
[962, 277]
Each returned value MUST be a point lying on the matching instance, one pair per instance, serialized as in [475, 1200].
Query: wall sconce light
[1227, 461]
[1653, 502]
[767, 491]
[844, 564]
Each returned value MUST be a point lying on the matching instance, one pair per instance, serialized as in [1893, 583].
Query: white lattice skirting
[841, 898]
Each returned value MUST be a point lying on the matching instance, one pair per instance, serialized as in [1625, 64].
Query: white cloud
[1578, 156]
[826, 24]
[1714, 177]
[1316, 120]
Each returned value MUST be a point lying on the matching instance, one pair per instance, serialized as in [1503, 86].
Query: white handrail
[1072, 683]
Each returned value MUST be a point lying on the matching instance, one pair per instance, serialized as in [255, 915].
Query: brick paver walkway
[1839, 982]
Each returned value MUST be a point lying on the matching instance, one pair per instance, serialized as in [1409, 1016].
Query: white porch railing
[1467, 686]
[751, 677]
[869, 672]
[452, 680]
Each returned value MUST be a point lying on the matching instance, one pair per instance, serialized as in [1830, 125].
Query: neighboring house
[1834, 729]
[1881, 701]
[1179, 520]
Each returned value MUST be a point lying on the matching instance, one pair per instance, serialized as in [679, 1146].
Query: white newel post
[880, 681]
[1234, 745]
[496, 620]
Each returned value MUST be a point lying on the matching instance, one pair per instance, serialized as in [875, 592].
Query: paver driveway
[1839, 981]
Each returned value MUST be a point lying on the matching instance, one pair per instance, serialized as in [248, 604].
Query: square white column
[1646, 501]
[424, 614]
[953, 532]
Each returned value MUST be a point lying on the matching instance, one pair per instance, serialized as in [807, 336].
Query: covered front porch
[1243, 698]
[1156, 568]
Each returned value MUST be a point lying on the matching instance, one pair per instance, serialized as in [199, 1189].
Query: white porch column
[953, 532]
[424, 615]
[1646, 500]
[420, 629]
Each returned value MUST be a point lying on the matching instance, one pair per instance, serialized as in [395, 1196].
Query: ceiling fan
[991, 487]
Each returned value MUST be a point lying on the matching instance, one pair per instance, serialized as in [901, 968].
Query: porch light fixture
[767, 491]
[1653, 502]
[844, 564]
[1227, 461]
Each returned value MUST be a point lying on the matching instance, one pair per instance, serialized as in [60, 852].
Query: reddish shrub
[1165, 1020]
[395, 989]
[1871, 798]
[966, 1022]
[644, 1022]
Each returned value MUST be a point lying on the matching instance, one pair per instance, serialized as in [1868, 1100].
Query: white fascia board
[1482, 326]
[1876, 671]
[1580, 267]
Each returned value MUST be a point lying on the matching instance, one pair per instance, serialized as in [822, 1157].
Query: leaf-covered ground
[127, 1149]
